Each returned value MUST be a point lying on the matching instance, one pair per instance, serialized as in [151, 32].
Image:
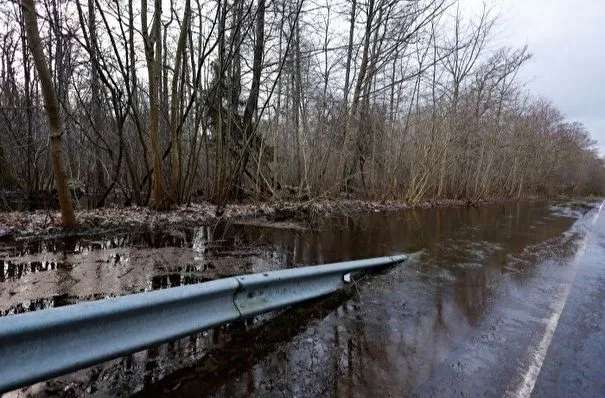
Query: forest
[164, 102]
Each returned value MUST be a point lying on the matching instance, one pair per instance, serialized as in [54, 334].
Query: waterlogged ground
[390, 334]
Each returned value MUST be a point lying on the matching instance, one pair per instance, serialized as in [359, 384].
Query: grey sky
[567, 40]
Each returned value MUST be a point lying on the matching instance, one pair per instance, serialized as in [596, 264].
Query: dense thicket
[226, 99]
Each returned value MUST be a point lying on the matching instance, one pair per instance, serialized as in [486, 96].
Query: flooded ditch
[382, 336]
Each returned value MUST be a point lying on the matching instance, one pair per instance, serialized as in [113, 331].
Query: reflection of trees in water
[246, 355]
[345, 238]
[12, 271]
[471, 295]
[124, 376]
[36, 305]
[357, 351]
[174, 280]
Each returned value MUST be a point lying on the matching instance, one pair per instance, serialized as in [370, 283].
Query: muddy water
[383, 336]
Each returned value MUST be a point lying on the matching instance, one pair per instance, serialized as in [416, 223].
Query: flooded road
[478, 281]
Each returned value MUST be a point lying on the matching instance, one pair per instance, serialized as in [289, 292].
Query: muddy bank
[292, 215]
[47, 223]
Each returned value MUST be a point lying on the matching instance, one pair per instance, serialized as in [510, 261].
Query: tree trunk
[249, 128]
[153, 55]
[7, 178]
[52, 112]
[176, 94]
[350, 51]
[347, 163]
[95, 111]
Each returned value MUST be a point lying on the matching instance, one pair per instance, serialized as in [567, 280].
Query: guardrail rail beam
[39, 345]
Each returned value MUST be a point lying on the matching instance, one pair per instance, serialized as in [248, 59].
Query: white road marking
[596, 216]
[538, 353]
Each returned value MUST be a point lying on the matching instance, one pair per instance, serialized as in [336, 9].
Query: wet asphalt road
[546, 338]
[575, 363]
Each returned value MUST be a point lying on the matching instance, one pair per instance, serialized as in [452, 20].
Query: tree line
[155, 103]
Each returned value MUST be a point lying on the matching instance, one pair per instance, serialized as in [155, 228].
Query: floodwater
[383, 336]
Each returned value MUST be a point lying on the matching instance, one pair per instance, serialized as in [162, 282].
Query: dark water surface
[383, 336]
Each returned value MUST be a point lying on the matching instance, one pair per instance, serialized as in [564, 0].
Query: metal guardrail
[40, 345]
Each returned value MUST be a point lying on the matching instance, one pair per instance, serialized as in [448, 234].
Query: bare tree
[248, 99]
[153, 56]
[52, 111]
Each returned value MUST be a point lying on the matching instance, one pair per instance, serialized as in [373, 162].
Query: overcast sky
[567, 40]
